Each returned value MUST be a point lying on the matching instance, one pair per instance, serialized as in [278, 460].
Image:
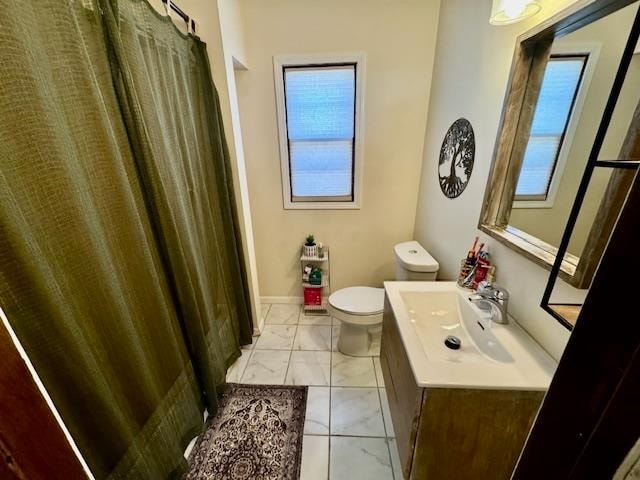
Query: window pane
[321, 169]
[559, 87]
[320, 102]
[320, 105]
[537, 165]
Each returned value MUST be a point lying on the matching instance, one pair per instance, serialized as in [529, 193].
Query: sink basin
[490, 355]
[437, 315]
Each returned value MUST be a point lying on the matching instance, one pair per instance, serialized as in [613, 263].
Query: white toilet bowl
[359, 310]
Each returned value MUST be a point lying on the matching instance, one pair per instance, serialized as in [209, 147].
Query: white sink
[436, 315]
[490, 355]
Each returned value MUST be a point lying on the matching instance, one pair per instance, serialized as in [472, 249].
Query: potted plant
[310, 248]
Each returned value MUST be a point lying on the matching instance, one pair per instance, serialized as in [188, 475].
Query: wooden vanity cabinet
[452, 433]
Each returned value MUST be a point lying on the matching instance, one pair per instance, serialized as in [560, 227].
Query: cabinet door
[405, 397]
[469, 434]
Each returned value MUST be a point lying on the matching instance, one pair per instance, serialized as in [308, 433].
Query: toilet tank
[413, 262]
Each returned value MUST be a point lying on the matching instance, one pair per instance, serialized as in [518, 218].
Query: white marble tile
[386, 413]
[374, 346]
[264, 310]
[266, 367]
[335, 321]
[360, 459]
[378, 369]
[310, 337]
[235, 371]
[309, 368]
[356, 411]
[335, 333]
[315, 458]
[352, 371]
[276, 337]
[283, 314]
[395, 460]
[317, 416]
[313, 319]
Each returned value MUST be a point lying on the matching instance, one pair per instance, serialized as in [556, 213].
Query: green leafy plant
[311, 241]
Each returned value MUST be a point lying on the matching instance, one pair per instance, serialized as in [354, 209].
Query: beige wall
[611, 34]
[470, 77]
[234, 53]
[398, 38]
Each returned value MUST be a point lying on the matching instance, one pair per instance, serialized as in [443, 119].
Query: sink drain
[453, 342]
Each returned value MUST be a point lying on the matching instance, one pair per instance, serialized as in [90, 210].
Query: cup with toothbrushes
[476, 267]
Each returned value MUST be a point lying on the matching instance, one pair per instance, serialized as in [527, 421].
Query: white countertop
[530, 367]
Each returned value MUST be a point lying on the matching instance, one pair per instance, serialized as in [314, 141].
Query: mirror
[578, 78]
[562, 76]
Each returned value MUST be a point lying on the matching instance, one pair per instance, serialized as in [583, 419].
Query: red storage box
[312, 296]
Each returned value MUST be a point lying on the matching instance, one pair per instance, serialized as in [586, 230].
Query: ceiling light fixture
[506, 12]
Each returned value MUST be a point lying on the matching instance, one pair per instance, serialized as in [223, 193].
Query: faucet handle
[492, 290]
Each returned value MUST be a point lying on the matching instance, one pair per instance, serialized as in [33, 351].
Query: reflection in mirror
[607, 189]
[567, 302]
[620, 142]
[576, 84]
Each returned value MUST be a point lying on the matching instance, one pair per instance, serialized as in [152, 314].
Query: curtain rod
[181, 14]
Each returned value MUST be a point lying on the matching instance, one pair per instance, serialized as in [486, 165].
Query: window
[558, 93]
[319, 108]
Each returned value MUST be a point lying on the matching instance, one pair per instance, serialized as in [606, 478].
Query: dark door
[32, 444]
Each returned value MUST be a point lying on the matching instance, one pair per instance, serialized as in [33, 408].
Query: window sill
[288, 205]
[517, 204]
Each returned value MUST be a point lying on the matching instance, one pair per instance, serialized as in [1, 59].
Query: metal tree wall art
[456, 158]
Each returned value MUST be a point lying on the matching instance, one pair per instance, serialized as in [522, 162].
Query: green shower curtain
[173, 119]
[120, 268]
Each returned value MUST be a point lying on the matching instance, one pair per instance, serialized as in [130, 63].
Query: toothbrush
[471, 255]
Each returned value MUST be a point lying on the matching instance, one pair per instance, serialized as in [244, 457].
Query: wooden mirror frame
[532, 51]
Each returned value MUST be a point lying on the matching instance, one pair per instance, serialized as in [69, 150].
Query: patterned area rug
[256, 434]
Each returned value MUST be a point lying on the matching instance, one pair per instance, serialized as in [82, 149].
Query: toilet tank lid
[415, 258]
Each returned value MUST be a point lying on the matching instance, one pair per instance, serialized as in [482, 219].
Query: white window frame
[281, 61]
[593, 52]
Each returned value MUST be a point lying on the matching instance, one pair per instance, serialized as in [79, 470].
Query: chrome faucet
[493, 298]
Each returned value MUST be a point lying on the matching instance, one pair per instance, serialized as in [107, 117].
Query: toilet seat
[358, 305]
[358, 300]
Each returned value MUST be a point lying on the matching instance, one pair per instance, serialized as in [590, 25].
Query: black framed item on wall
[457, 155]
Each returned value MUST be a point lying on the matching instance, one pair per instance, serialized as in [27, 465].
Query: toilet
[359, 309]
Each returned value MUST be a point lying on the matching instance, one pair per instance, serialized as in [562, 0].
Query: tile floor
[348, 431]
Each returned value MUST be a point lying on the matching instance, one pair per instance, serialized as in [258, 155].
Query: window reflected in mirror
[556, 99]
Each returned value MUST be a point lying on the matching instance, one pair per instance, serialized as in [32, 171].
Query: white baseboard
[258, 330]
[189, 448]
[290, 300]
